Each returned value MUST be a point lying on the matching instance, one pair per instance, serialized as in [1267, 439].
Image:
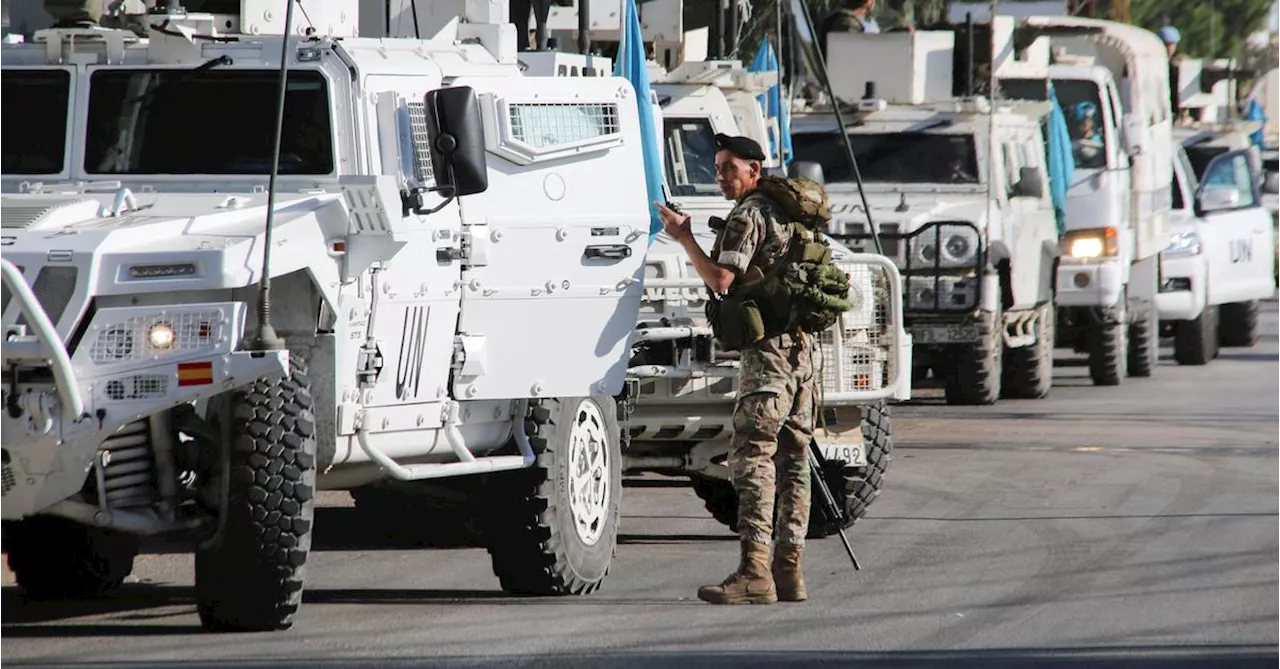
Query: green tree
[1226, 22]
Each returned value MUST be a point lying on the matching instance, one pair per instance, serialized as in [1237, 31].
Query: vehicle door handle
[610, 251]
[1258, 231]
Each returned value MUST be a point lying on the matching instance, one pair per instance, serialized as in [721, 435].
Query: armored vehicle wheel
[1108, 349]
[1144, 344]
[252, 579]
[854, 488]
[976, 374]
[1028, 371]
[1195, 341]
[1238, 324]
[55, 558]
[552, 529]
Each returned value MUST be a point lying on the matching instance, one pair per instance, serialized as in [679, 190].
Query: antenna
[816, 53]
[266, 338]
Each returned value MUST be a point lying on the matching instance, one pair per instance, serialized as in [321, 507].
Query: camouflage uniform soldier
[860, 16]
[773, 417]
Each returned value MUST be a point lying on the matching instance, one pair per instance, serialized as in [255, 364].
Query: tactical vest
[804, 290]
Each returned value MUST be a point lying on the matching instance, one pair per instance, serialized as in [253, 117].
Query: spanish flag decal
[195, 373]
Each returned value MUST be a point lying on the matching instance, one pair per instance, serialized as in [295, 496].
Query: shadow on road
[1126, 657]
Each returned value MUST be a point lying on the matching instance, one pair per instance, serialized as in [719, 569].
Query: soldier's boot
[752, 583]
[786, 573]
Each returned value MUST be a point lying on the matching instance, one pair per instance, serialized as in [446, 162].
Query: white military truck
[423, 338]
[1112, 81]
[958, 188]
[684, 387]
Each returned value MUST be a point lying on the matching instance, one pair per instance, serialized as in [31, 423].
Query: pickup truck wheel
[252, 579]
[56, 558]
[1239, 324]
[1144, 344]
[1028, 371]
[976, 373]
[1195, 341]
[552, 529]
[1108, 350]
[854, 488]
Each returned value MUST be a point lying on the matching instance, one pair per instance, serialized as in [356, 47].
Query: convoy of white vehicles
[435, 287]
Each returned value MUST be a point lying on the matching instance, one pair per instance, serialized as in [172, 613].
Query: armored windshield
[212, 122]
[908, 157]
[34, 131]
[690, 156]
[1081, 102]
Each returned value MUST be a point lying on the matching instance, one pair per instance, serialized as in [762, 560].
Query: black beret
[742, 147]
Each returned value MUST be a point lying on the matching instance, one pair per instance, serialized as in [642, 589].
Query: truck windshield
[691, 156]
[909, 157]
[1081, 102]
[218, 122]
[34, 130]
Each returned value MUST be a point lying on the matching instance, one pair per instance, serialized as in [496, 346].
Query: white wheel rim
[589, 482]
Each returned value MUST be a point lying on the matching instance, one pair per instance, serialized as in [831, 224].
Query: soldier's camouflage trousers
[772, 426]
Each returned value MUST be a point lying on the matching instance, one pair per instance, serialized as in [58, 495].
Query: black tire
[1108, 351]
[854, 488]
[975, 376]
[56, 558]
[1195, 341]
[1028, 371]
[252, 580]
[531, 529]
[1238, 324]
[1144, 344]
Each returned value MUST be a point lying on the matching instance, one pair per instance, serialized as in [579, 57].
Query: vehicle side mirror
[1030, 183]
[1217, 198]
[1133, 135]
[1271, 183]
[455, 131]
[806, 170]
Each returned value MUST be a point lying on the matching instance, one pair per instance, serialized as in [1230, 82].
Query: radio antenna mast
[266, 338]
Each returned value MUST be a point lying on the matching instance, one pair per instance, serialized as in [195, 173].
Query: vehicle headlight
[958, 247]
[161, 336]
[1183, 244]
[1093, 243]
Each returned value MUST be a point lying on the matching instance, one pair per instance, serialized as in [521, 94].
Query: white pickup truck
[1220, 258]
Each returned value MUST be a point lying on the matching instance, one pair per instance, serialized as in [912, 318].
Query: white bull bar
[45, 346]
[897, 388]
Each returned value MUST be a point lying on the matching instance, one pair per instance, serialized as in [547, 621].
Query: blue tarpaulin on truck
[1062, 165]
[632, 65]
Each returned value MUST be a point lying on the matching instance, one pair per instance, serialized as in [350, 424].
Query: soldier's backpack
[804, 291]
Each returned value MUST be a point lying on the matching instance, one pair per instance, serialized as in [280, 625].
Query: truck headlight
[1092, 243]
[161, 336]
[1183, 244]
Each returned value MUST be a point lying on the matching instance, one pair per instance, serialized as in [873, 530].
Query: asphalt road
[1103, 527]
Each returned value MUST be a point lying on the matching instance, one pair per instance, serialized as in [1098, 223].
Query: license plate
[853, 454]
[944, 334]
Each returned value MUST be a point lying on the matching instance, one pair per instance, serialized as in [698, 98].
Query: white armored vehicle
[1112, 81]
[958, 188]
[684, 387]
[150, 386]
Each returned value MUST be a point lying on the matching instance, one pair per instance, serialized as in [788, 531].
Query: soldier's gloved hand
[675, 224]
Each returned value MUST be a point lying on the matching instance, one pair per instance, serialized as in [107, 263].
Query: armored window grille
[544, 125]
[421, 147]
